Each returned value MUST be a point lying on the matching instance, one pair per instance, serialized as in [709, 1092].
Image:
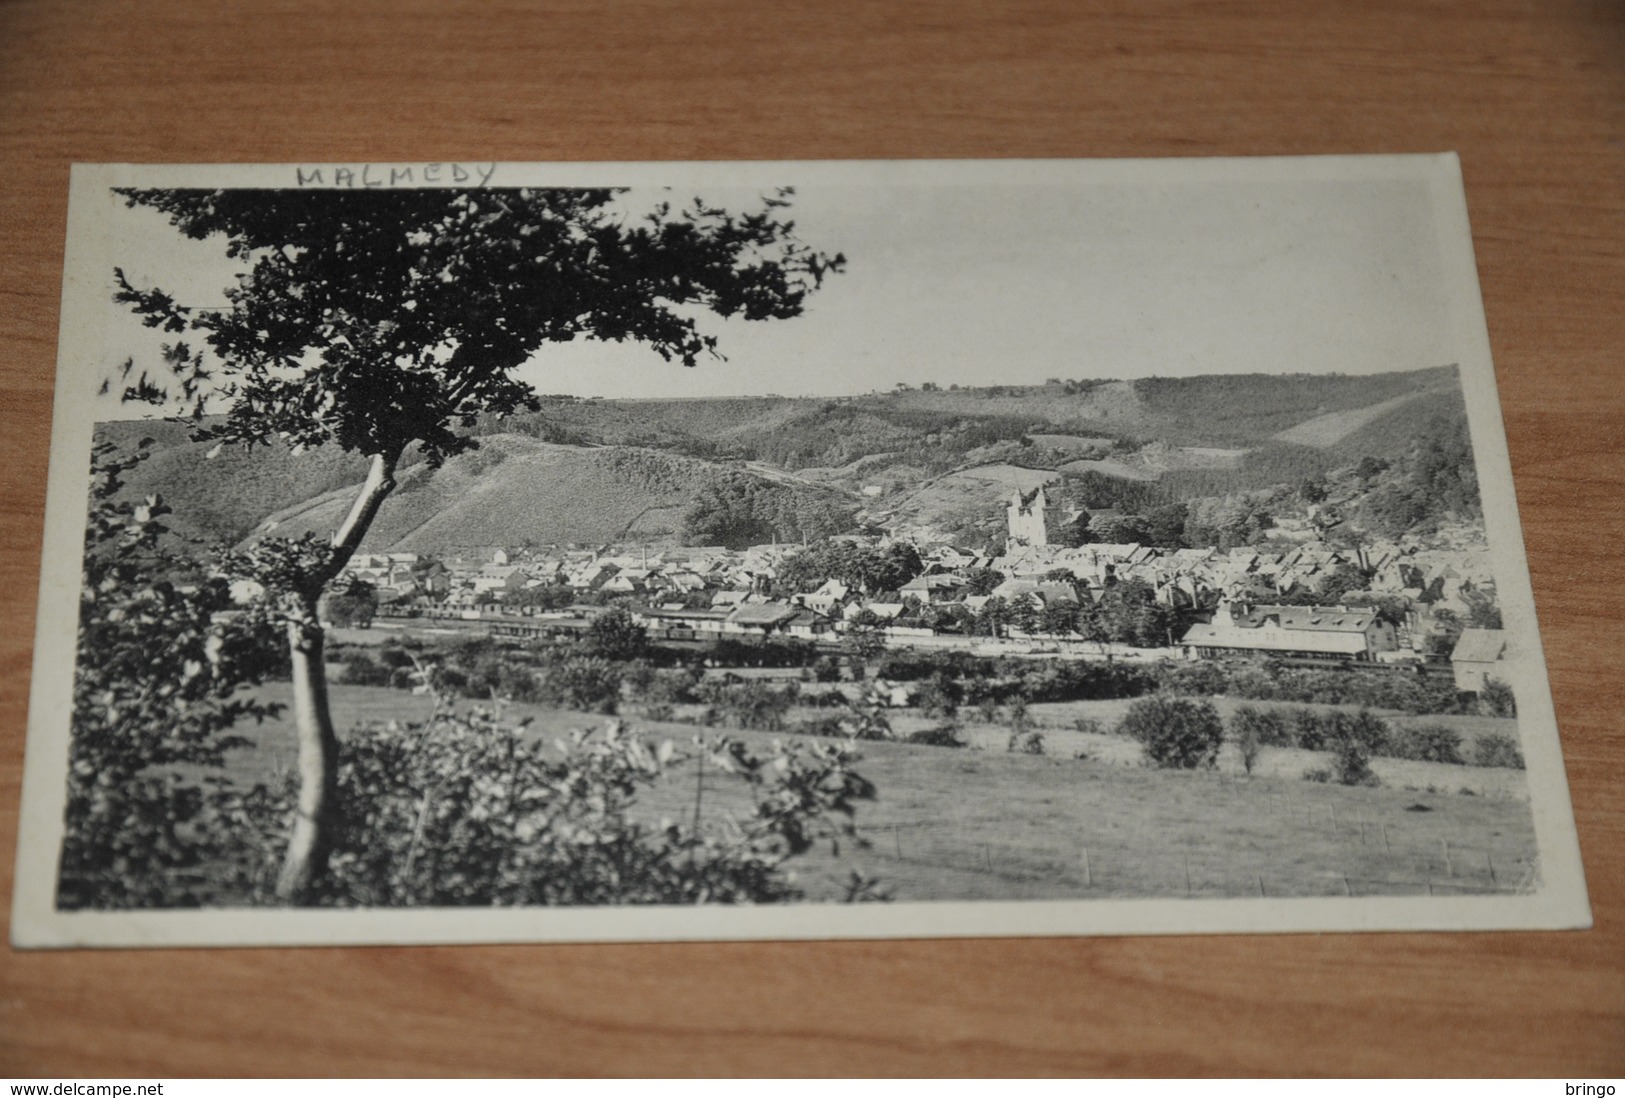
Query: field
[1334, 427]
[980, 823]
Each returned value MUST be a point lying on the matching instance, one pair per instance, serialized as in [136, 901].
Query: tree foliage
[378, 320]
[1175, 733]
[869, 569]
[736, 509]
[473, 811]
[156, 689]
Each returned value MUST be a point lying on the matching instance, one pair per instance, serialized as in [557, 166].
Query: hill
[600, 470]
[515, 490]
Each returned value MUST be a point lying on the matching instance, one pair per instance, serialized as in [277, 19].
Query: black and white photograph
[522, 552]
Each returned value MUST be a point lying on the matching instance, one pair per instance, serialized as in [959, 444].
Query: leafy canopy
[376, 319]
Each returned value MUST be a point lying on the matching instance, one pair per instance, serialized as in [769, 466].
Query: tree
[615, 636]
[378, 320]
[890, 568]
[1165, 525]
[737, 509]
[1129, 613]
[1117, 529]
[864, 638]
[982, 581]
[1175, 733]
[355, 604]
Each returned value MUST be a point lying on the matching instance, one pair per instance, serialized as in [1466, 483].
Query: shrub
[939, 697]
[945, 736]
[1267, 680]
[755, 705]
[1266, 727]
[1175, 733]
[360, 670]
[615, 636]
[156, 691]
[1353, 740]
[1025, 741]
[469, 811]
[828, 727]
[1307, 730]
[589, 684]
[1497, 749]
[1426, 743]
[1497, 700]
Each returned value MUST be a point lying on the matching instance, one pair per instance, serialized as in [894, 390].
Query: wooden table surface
[1530, 95]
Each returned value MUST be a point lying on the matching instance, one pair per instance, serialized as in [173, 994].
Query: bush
[471, 812]
[1353, 740]
[945, 736]
[1265, 727]
[1025, 741]
[1307, 730]
[1497, 700]
[754, 705]
[588, 684]
[1497, 749]
[1268, 680]
[1175, 733]
[1426, 743]
[360, 670]
[148, 820]
[939, 697]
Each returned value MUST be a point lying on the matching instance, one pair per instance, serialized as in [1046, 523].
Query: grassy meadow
[979, 823]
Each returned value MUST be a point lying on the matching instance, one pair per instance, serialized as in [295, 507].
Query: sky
[982, 283]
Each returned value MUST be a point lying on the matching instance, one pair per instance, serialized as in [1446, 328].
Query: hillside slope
[600, 470]
[515, 490]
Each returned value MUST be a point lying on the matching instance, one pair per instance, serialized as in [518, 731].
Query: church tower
[1028, 517]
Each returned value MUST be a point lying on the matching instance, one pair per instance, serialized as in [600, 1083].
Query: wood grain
[1530, 94]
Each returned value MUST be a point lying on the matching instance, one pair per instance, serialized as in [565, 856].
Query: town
[1399, 603]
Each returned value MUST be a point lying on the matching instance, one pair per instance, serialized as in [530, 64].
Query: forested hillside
[748, 469]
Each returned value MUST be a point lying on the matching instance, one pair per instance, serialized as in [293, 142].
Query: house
[666, 618]
[761, 618]
[808, 625]
[1305, 632]
[937, 587]
[498, 578]
[1038, 593]
[1478, 655]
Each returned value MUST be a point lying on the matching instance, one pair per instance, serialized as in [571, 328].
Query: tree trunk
[312, 837]
[313, 826]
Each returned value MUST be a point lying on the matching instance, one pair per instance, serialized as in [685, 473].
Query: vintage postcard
[548, 552]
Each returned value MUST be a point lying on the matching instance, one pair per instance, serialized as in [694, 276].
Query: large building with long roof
[1302, 632]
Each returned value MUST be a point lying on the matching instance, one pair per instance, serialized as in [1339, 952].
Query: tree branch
[347, 538]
